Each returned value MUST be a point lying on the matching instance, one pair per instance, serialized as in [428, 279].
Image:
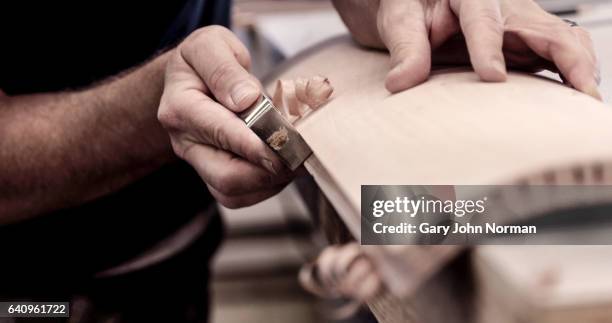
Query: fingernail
[242, 92]
[500, 67]
[397, 68]
[401, 78]
[594, 92]
[269, 166]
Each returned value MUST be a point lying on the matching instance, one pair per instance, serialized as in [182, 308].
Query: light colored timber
[453, 129]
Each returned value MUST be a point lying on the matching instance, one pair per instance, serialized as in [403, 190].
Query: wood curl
[296, 98]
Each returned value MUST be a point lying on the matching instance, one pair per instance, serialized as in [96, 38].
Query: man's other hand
[494, 34]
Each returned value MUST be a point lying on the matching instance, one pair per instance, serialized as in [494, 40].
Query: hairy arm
[62, 149]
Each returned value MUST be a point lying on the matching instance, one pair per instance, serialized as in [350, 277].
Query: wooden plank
[453, 129]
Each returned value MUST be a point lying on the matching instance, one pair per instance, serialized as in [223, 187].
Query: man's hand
[498, 33]
[207, 83]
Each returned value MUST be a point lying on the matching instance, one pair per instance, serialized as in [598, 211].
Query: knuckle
[220, 74]
[167, 115]
[244, 57]
[568, 40]
[201, 38]
[215, 30]
[191, 42]
[585, 37]
[164, 116]
[218, 137]
[205, 33]
[400, 46]
[569, 34]
[581, 32]
[561, 31]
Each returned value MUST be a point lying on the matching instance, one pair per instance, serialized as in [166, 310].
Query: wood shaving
[296, 98]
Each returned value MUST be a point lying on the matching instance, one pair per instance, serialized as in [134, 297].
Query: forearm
[62, 149]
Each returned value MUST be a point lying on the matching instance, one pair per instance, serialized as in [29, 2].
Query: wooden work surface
[455, 129]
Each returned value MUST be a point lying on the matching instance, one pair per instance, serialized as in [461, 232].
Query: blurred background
[255, 272]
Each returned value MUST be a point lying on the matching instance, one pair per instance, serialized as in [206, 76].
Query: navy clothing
[58, 45]
[55, 45]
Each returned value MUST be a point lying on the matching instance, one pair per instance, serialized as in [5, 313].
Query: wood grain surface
[453, 129]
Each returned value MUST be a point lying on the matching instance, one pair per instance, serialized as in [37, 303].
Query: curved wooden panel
[453, 129]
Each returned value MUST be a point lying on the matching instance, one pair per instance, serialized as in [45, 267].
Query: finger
[348, 254]
[587, 43]
[367, 288]
[239, 201]
[482, 27]
[191, 117]
[562, 46]
[402, 28]
[444, 25]
[221, 60]
[359, 271]
[223, 129]
[325, 264]
[228, 175]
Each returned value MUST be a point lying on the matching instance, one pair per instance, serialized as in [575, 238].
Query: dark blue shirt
[58, 45]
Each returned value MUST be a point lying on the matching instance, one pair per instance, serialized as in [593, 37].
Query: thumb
[402, 28]
[222, 62]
